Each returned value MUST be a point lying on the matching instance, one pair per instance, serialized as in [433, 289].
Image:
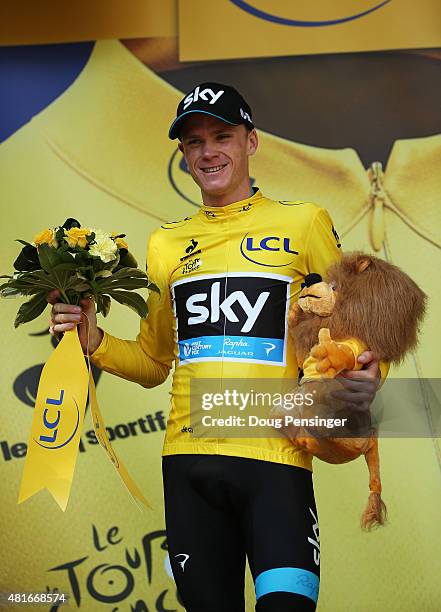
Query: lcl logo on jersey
[236, 317]
[207, 94]
[259, 250]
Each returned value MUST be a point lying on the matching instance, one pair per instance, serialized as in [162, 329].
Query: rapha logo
[270, 346]
[207, 94]
[185, 559]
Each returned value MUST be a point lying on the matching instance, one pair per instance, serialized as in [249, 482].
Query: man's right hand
[67, 316]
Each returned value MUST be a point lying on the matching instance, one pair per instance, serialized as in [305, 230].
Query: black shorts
[218, 510]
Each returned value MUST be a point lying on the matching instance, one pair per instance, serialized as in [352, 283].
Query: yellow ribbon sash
[56, 427]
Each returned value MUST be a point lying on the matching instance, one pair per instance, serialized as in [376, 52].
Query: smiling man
[227, 277]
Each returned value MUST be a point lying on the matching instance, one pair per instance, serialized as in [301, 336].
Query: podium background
[83, 128]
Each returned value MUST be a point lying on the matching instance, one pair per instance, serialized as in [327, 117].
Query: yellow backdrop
[264, 28]
[100, 153]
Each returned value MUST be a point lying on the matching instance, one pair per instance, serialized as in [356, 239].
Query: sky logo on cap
[245, 115]
[207, 95]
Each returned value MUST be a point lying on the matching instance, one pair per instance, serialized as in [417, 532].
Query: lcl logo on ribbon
[53, 425]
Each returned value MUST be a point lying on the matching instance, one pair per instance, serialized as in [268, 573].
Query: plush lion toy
[366, 303]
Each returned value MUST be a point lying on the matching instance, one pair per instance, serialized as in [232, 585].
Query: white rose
[104, 247]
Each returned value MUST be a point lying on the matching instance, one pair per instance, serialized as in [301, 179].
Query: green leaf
[48, 257]
[8, 292]
[132, 300]
[20, 289]
[127, 260]
[127, 283]
[103, 303]
[27, 259]
[65, 266]
[59, 235]
[65, 255]
[70, 223]
[106, 305]
[79, 285]
[23, 242]
[153, 287]
[43, 281]
[97, 264]
[26, 287]
[124, 274]
[31, 310]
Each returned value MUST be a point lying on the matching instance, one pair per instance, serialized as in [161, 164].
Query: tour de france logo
[256, 8]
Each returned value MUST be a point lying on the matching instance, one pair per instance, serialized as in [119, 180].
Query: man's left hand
[360, 385]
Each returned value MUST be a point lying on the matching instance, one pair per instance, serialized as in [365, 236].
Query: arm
[322, 250]
[323, 245]
[148, 359]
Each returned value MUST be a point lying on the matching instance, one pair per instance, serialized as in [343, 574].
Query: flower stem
[64, 296]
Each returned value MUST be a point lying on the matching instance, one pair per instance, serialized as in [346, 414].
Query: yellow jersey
[227, 277]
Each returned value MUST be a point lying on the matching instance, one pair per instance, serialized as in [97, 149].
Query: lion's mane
[378, 304]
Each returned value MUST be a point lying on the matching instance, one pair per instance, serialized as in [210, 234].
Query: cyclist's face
[217, 154]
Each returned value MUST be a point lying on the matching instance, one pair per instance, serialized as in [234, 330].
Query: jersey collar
[221, 212]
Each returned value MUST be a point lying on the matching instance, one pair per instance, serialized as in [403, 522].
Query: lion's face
[318, 298]
[362, 297]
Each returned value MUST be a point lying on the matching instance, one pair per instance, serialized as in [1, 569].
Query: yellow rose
[47, 236]
[76, 236]
[120, 242]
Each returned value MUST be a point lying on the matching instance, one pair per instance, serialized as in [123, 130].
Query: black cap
[221, 101]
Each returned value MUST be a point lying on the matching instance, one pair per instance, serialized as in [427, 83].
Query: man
[227, 276]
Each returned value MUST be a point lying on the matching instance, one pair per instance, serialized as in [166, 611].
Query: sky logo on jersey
[253, 9]
[238, 317]
[257, 250]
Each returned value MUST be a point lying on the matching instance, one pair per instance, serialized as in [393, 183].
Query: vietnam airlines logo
[256, 8]
[259, 251]
[52, 422]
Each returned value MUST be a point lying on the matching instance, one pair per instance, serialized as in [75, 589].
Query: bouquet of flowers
[79, 262]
